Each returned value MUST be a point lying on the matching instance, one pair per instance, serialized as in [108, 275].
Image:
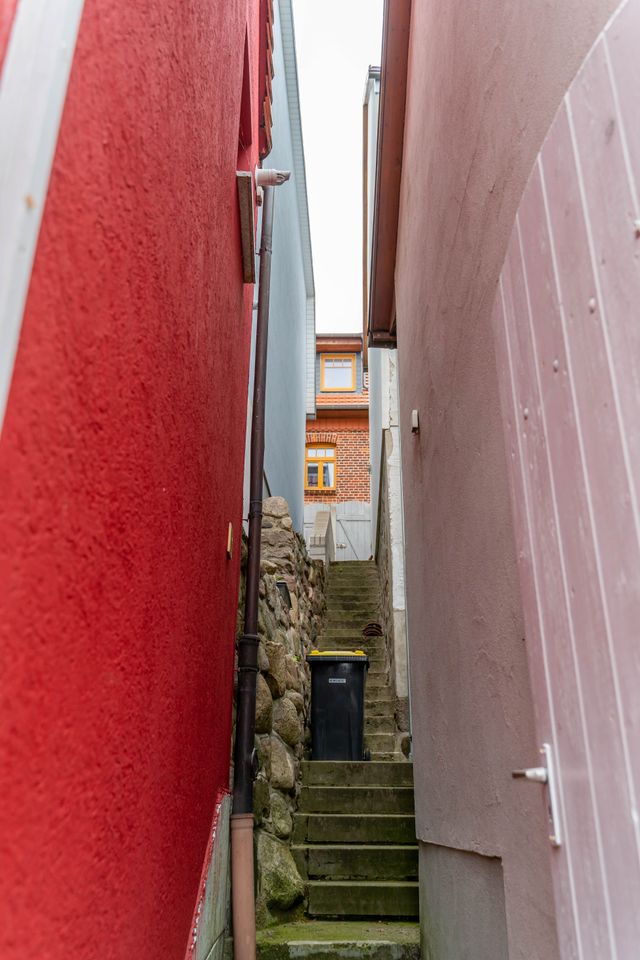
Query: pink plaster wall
[568, 348]
[485, 80]
[120, 468]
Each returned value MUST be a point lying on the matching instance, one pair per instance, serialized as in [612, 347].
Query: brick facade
[342, 419]
[351, 438]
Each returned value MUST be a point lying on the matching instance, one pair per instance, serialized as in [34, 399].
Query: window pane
[312, 452]
[312, 474]
[338, 374]
[328, 474]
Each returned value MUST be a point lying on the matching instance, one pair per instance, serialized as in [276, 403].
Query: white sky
[336, 41]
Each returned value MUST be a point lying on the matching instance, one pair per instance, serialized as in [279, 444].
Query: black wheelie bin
[337, 704]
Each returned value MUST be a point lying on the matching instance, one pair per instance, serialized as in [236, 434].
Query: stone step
[337, 564]
[374, 707]
[362, 898]
[377, 666]
[380, 742]
[352, 643]
[355, 601]
[352, 861]
[357, 800]
[327, 773]
[328, 639]
[339, 940]
[376, 684]
[370, 580]
[368, 607]
[361, 598]
[354, 828]
[359, 588]
[341, 620]
[384, 724]
[375, 715]
[347, 632]
[335, 574]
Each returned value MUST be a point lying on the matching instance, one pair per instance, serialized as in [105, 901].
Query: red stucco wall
[120, 468]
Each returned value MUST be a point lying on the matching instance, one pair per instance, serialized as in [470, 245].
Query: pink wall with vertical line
[569, 359]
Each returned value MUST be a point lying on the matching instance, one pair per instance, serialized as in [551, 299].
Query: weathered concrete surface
[328, 940]
[354, 828]
[462, 903]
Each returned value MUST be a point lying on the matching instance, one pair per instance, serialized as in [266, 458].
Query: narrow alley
[319, 480]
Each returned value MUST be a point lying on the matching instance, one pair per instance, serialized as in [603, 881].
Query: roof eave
[393, 89]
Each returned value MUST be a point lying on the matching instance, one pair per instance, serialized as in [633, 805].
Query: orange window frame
[320, 461]
[338, 356]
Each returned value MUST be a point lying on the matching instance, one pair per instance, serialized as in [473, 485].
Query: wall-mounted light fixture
[247, 225]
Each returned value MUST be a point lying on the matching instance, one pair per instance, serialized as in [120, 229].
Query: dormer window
[338, 372]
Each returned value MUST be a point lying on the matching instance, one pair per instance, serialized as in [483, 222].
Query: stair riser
[328, 773]
[355, 602]
[377, 742]
[356, 623]
[379, 900]
[358, 598]
[360, 591]
[374, 648]
[379, 708]
[356, 800]
[325, 828]
[366, 950]
[355, 575]
[376, 685]
[357, 641]
[385, 724]
[370, 863]
[364, 609]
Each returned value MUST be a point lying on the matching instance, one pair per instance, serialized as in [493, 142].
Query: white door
[567, 322]
[353, 531]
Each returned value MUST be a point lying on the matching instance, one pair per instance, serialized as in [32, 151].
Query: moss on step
[328, 940]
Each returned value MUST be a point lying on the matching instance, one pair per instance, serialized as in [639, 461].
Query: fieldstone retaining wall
[291, 611]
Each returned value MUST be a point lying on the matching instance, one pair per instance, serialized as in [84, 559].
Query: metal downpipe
[242, 868]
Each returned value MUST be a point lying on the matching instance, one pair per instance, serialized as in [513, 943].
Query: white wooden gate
[353, 531]
[567, 321]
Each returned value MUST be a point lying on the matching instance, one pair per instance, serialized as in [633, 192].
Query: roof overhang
[393, 90]
[338, 343]
[359, 410]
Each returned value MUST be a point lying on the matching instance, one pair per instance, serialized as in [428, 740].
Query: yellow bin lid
[337, 653]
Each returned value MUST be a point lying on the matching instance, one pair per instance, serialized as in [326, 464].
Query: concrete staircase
[353, 598]
[354, 844]
[354, 833]
[354, 839]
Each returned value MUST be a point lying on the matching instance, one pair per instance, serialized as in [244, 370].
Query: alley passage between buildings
[354, 835]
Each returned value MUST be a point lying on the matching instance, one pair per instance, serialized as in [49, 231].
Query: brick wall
[351, 438]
